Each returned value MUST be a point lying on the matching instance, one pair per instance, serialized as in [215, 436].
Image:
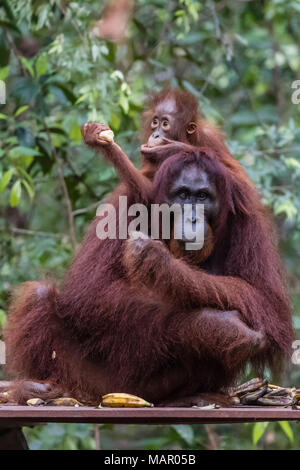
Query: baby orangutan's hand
[97, 134]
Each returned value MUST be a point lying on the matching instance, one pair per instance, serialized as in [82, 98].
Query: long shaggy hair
[245, 248]
[100, 333]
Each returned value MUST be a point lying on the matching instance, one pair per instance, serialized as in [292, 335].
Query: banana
[107, 136]
[275, 401]
[251, 397]
[247, 387]
[235, 400]
[64, 401]
[35, 402]
[123, 400]
[281, 392]
[4, 397]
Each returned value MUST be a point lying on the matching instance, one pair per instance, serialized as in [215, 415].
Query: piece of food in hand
[35, 402]
[123, 400]
[107, 136]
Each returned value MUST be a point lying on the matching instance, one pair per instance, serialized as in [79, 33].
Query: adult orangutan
[146, 317]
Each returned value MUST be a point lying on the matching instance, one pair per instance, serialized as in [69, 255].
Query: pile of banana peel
[259, 392]
[255, 392]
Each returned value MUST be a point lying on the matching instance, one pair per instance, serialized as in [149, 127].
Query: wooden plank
[17, 415]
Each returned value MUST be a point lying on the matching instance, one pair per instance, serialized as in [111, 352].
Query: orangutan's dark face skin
[193, 186]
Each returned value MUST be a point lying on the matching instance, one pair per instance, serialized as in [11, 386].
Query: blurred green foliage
[239, 59]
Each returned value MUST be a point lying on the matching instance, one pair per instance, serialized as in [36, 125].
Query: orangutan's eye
[154, 123]
[183, 194]
[202, 195]
[165, 125]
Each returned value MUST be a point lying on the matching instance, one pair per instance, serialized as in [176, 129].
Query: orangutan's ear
[191, 127]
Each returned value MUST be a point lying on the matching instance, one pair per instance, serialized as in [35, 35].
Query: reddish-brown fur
[109, 336]
[205, 134]
[131, 317]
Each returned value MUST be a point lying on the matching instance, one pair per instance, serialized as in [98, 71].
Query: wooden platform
[25, 415]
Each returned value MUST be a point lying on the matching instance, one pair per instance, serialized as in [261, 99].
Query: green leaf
[285, 426]
[2, 318]
[68, 93]
[29, 189]
[258, 431]
[20, 151]
[292, 163]
[21, 110]
[82, 98]
[41, 65]
[3, 116]
[56, 130]
[5, 50]
[26, 175]
[115, 121]
[9, 25]
[24, 161]
[185, 431]
[25, 89]
[15, 194]
[75, 133]
[286, 207]
[27, 65]
[6, 179]
[4, 72]
[123, 101]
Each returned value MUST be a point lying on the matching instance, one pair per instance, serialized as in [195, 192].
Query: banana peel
[64, 401]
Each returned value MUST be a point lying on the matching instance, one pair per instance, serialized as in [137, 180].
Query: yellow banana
[120, 400]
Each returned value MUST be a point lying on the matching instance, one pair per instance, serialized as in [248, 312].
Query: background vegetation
[238, 57]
